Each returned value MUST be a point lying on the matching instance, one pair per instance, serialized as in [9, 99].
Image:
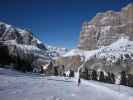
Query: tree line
[125, 79]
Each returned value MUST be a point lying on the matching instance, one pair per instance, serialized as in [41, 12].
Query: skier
[79, 81]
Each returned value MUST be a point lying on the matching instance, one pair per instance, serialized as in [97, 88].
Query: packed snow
[19, 86]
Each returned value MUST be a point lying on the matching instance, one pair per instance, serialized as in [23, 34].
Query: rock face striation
[105, 28]
[20, 49]
[21, 36]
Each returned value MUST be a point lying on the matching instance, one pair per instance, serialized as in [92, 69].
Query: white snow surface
[120, 48]
[22, 46]
[85, 54]
[19, 86]
[111, 52]
[55, 52]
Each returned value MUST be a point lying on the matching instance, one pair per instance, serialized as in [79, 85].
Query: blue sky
[55, 22]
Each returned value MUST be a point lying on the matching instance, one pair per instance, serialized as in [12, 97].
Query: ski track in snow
[19, 86]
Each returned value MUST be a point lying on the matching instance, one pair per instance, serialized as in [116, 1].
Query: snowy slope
[117, 50]
[19, 86]
[113, 52]
[55, 52]
[86, 54]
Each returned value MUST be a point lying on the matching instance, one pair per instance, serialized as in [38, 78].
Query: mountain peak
[107, 27]
[130, 5]
[21, 36]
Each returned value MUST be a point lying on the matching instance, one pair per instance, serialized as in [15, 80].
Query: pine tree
[94, 75]
[101, 77]
[108, 80]
[4, 55]
[123, 78]
[71, 73]
[112, 78]
[55, 71]
[130, 80]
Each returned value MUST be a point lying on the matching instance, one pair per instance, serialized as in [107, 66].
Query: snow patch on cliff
[86, 54]
[55, 52]
[123, 47]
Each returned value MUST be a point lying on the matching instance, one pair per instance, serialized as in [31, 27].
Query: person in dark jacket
[79, 81]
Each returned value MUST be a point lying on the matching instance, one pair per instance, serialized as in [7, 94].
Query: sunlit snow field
[19, 86]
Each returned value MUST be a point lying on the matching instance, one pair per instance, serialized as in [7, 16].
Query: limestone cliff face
[20, 49]
[106, 28]
[21, 36]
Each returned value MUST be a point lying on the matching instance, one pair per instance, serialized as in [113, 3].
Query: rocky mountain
[115, 59]
[21, 49]
[21, 36]
[105, 48]
[106, 27]
[105, 51]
